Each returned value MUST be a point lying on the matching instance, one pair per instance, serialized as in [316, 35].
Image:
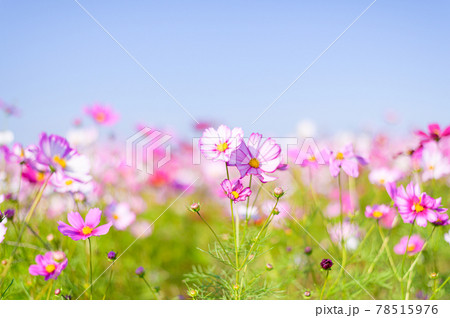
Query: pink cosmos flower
[257, 158]
[120, 215]
[55, 154]
[101, 114]
[434, 133]
[377, 211]
[413, 205]
[381, 176]
[235, 191]
[412, 247]
[442, 219]
[50, 265]
[347, 160]
[221, 143]
[80, 229]
[348, 232]
[434, 164]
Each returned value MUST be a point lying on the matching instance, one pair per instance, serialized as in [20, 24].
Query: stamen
[254, 163]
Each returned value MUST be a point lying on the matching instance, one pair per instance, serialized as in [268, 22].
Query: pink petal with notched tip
[93, 217]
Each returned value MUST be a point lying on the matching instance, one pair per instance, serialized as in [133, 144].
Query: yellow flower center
[235, 194]
[254, 163]
[312, 159]
[382, 181]
[69, 182]
[115, 217]
[222, 147]
[339, 156]
[86, 230]
[50, 268]
[40, 176]
[431, 167]
[59, 161]
[418, 208]
[377, 214]
[411, 247]
[100, 117]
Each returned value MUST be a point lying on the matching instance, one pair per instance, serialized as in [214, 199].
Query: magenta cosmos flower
[49, 265]
[257, 158]
[80, 229]
[102, 115]
[377, 211]
[345, 159]
[412, 247]
[414, 205]
[55, 154]
[221, 143]
[434, 133]
[235, 191]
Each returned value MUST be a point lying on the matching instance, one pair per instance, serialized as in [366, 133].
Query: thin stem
[440, 287]
[341, 215]
[151, 288]
[383, 247]
[324, 284]
[418, 255]
[404, 256]
[259, 234]
[109, 281]
[217, 238]
[90, 268]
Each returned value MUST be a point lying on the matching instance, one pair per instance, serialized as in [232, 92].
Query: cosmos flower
[19, 154]
[377, 211]
[102, 115]
[345, 159]
[434, 164]
[412, 247]
[80, 229]
[235, 191]
[413, 205]
[221, 143]
[257, 158]
[55, 154]
[434, 133]
[50, 265]
[120, 215]
[381, 176]
[442, 219]
[348, 232]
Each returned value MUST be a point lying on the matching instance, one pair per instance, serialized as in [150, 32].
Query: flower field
[230, 215]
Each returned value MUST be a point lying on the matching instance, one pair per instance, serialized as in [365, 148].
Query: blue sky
[226, 61]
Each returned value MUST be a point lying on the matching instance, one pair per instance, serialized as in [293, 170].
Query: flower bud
[308, 250]
[434, 275]
[112, 256]
[140, 271]
[326, 264]
[192, 293]
[50, 237]
[9, 214]
[57, 291]
[307, 294]
[195, 207]
[4, 262]
[269, 267]
[275, 211]
[59, 256]
[236, 287]
[278, 192]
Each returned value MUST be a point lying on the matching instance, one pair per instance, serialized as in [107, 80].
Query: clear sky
[226, 61]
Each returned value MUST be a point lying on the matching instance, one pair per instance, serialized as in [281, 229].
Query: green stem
[324, 284]
[217, 238]
[266, 222]
[109, 281]
[90, 268]
[151, 288]
[404, 258]
[440, 287]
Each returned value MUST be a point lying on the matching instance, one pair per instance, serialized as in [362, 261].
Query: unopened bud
[57, 291]
[269, 267]
[50, 237]
[4, 262]
[195, 207]
[236, 287]
[308, 250]
[275, 211]
[140, 271]
[434, 275]
[278, 192]
[192, 293]
[307, 294]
